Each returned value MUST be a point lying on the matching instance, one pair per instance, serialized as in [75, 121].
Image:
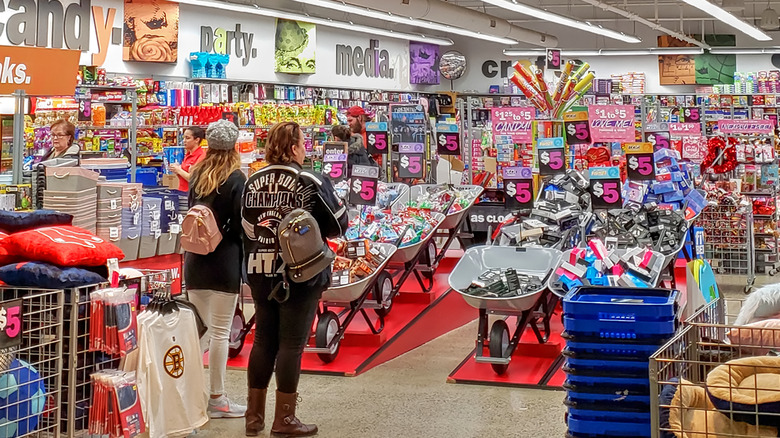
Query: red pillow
[61, 245]
[5, 258]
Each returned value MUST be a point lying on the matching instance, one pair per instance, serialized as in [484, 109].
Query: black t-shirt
[219, 270]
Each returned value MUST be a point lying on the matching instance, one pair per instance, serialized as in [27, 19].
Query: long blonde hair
[214, 170]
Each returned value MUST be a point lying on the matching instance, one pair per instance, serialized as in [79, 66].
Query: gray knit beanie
[222, 135]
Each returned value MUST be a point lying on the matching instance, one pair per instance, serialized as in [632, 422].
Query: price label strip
[605, 191]
[334, 160]
[577, 127]
[518, 188]
[639, 157]
[410, 162]
[11, 324]
[447, 139]
[378, 140]
[552, 156]
[659, 140]
[362, 189]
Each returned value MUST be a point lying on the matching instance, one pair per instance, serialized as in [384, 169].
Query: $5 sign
[608, 191]
[11, 320]
[519, 190]
[366, 188]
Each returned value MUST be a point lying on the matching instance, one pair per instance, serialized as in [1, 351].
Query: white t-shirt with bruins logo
[171, 382]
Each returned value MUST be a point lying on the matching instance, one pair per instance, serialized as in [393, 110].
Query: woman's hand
[175, 168]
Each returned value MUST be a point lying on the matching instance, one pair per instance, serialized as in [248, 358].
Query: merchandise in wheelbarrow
[533, 308]
[598, 266]
[387, 194]
[351, 297]
[437, 197]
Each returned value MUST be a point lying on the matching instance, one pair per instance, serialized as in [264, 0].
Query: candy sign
[612, 123]
[516, 122]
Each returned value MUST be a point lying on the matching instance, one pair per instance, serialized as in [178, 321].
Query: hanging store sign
[612, 123]
[754, 126]
[516, 122]
[31, 69]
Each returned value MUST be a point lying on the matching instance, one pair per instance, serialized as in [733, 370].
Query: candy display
[504, 283]
[405, 227]
[386, 193]
[437, 198]
[355, 260]
[598, 265]
[572, 86]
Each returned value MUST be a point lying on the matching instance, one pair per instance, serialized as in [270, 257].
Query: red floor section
[416, 318]
[532, 363]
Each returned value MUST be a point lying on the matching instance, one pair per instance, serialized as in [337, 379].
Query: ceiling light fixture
[386, 16]
[730, 19]
[256, 10]
[608, 52]
[560, 19]
[744, 51]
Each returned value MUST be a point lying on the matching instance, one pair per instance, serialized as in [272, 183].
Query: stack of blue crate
[610, 334]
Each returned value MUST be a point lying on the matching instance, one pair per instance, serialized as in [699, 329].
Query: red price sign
[377, 138]
[11, 324]
[518, 188]
[577, 127]
[659, 140]
[362, 188]
[447, 139]
[552, 158]
[605, 189]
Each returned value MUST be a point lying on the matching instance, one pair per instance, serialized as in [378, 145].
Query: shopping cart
[684, 363]
[353, 300]
[531, 309]
[729, 245]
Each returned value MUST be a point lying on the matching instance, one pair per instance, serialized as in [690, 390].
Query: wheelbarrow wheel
[383, 288]
[499, 343]
[238, 331]
[429, 257]
[327, 329]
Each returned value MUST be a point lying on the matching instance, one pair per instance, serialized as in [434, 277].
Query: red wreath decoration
[727, 162]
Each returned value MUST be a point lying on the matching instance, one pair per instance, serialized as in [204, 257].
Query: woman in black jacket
[214, 280]
[283, 325]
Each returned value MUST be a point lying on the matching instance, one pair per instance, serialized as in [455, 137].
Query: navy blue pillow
[15, 221]
[46, 276]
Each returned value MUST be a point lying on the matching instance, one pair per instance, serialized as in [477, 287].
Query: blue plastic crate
[607, 385]
[620, 330]
[585, 427]
[620, 304]
[608, 402]
[613, 368]
[602, 350]
[147, 176]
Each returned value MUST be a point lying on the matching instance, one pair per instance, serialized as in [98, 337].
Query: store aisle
[409, 397]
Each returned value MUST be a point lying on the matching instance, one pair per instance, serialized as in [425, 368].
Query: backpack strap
[284, 285]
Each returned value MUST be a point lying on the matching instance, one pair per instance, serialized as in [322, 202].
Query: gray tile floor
[409, 397]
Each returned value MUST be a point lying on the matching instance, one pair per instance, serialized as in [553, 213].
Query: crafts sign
[363, 186]
[612, 123]
[754, 126]
[605, 187]
[552, 156]
[516, 122]
[518, 188]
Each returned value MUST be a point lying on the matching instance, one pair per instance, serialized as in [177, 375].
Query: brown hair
[69, 128]
[341, 132]
[214, 170]
[197, 132]
[278, 146]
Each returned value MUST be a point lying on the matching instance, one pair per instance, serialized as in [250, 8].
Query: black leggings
[282, 332]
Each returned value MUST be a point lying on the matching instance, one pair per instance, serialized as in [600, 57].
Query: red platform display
[416, 318]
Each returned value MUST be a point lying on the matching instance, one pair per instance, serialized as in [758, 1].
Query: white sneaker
[222, 407]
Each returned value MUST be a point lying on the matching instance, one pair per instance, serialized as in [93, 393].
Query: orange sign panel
[38, 71]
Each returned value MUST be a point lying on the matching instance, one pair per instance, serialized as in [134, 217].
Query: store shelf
[105, 87]
[124, 128]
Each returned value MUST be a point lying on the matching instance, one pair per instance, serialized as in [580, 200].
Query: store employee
[62, 135]
[194, 154]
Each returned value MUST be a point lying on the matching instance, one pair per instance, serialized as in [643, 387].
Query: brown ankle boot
[255, 412]
[286, 424]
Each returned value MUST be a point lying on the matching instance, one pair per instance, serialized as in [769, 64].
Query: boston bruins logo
[174, 362]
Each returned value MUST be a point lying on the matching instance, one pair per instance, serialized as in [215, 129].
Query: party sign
[612, 123]
[516, 122]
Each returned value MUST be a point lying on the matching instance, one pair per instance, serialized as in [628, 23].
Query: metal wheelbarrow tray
[452, 220]
[330, 328]
[532, 310]
[408, 253]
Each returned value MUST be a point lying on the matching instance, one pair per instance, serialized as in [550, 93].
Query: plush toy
[760, 304]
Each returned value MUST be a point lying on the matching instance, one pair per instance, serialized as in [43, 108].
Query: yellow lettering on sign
[220, 41]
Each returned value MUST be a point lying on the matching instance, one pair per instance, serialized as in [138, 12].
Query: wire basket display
[715, 379]
[31, 374]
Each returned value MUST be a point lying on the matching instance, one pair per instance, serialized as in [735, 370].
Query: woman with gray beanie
[214, 280]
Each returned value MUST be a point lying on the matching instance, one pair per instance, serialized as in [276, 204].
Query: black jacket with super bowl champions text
[269, 195]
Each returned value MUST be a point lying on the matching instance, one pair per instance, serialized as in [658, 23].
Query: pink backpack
[200, 233]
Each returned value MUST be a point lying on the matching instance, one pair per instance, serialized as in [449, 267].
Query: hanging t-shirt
[171, 382]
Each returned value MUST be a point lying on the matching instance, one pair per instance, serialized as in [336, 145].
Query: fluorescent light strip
[730, 19]
[744, 51]
[386, 16]
[316, 20]
[560, 19]
[607, 52]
